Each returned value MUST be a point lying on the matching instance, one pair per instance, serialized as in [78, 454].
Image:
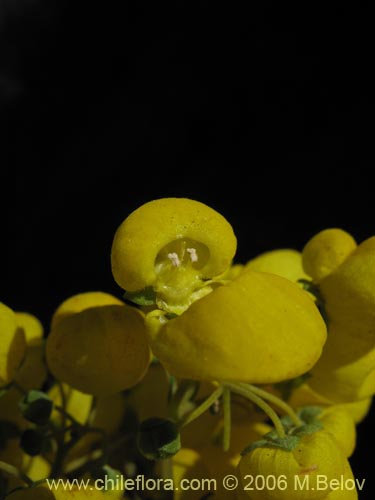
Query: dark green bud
[32, 441]
[36, 407]
[158, 439]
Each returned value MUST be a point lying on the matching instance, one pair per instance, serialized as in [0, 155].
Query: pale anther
[193, 254]
[173, 257]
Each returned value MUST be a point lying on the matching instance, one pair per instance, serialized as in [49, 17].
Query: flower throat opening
[178, 268]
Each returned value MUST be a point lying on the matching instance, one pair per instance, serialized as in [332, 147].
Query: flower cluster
[204, 368]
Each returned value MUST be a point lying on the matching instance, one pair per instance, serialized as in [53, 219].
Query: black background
[262, 113]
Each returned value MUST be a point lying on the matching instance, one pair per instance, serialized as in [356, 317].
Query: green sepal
[309, 414]
[158, 439]
[287, 443]
[36, 407]
[314, 289]
[144, 297]
[305, 430]
[310, 286]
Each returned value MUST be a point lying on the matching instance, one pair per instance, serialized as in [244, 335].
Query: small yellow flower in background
[172, 245]
[99, 350]
[12, 345]
[326, 251]
[284, 262]
[346, 370]
[316, 454]
[33, 371]
[258, 328]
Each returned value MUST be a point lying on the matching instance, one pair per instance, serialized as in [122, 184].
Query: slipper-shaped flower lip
[259, 328]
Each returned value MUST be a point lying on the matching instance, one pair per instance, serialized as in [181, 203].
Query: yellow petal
[259, 328]
[12, 345]
[341, 425]
[31, 326]
[99, 351]
[346, 370]
[82, 301]
[326, 251]
[284, 262]
[77, 404]
[150, 397]
[33, 371]
[349, 294]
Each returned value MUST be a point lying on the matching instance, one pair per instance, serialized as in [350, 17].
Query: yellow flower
[346, 370]
[284, 262]
[12, 345]
[172, 245]
[33, 371]
[317, 454]
[326, 251]
[259, 328]
[99, 350]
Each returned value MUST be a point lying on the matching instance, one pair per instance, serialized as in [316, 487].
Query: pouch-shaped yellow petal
[284, 262]
[349, 293]
[12, 345]
[316, 455]
[99, 351]
[346, 370]
[82, 301]
[341, 425]
[164, 233]
[259, 328]
[325, 251]
[31, 326]
[33, 371]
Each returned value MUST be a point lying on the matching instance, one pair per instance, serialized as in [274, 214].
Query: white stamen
[193, 254]
[173, 257]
